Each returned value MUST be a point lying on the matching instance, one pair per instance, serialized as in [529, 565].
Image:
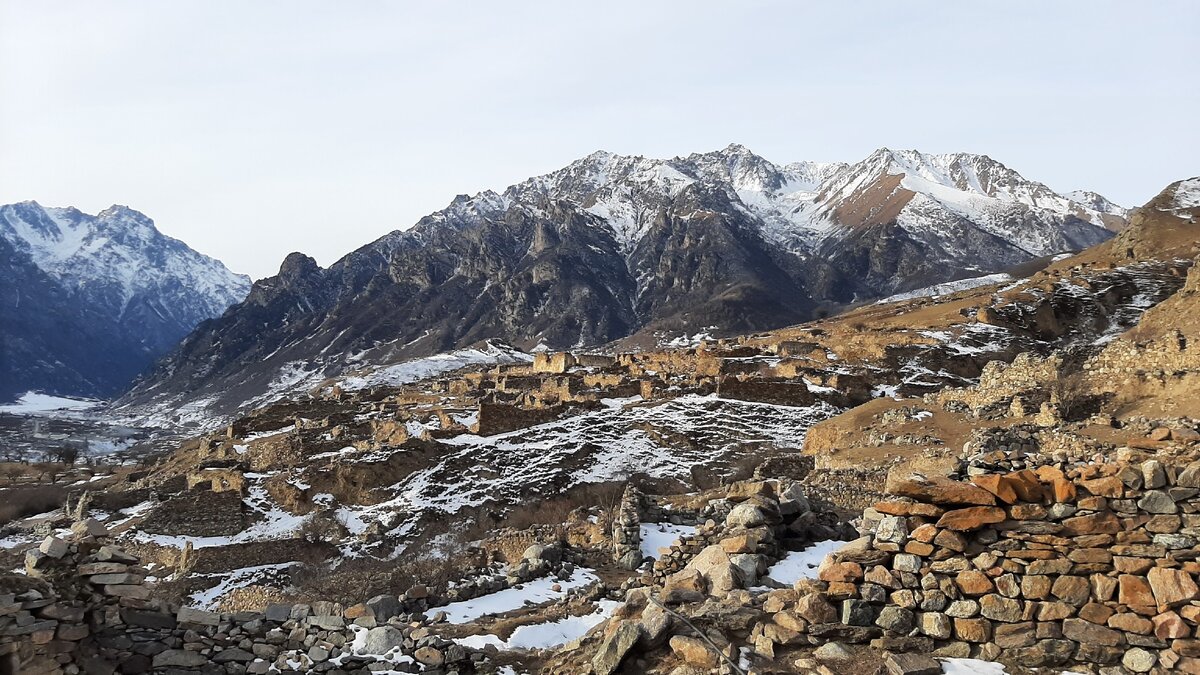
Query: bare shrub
[13, 470]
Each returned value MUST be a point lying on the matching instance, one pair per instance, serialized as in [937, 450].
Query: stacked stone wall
[779, 392]
[1095, 564]
[499, 418]
[84, 606]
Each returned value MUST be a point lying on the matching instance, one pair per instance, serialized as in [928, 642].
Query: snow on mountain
[93, 300]
[611, 245]
[1187, 194]
[120, 249]
[797, 205]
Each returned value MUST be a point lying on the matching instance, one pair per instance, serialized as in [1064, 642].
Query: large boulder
[384, 607]
[938, 490]
[381, 640]
[615, 647]
[718, 570]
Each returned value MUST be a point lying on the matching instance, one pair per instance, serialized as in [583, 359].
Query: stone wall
[1094, 564]
[83, 606]
[779, 392]
[627, 530]
[1000, 383]
[499, 418]
[552, 362]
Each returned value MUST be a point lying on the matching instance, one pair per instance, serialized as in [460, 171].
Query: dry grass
[25, 501]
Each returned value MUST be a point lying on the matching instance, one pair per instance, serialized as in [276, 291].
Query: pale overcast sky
[250, 129]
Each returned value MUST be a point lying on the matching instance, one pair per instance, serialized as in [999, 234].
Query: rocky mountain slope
[614, 245]
[89, 302]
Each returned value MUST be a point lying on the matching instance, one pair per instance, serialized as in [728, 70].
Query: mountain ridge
[611, 245]
[113, 285]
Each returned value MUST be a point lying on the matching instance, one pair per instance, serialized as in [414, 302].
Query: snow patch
[798, 565]
[34, 403]
[659, 536]
[536, 592]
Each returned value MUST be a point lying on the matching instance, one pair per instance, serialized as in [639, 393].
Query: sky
[250, 129]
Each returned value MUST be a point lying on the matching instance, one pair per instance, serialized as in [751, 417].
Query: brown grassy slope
[1157, 231]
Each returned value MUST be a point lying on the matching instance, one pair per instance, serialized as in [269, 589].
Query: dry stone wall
[1095, 565]
[83, 606]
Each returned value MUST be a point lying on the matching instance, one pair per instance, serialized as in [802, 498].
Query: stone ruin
[218, 479]
[627, 530]
[84, 606]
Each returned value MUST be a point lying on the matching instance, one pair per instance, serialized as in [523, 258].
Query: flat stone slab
[911, 664]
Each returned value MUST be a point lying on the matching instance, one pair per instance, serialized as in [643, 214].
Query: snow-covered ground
[546, 634]
[430, 366]
[971, 667]
[34, 403]
[948, 288]
[799, 565]
[536, 592]
[1187, 195]
[274, 522]
[232, 580]
[604, 445]
[657, 536]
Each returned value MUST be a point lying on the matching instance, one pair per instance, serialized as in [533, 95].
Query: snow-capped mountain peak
[94, 299]
[798, 205]
[120, 250]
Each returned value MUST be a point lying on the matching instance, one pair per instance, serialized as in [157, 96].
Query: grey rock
[615, 648]
[896, 620]
[833, 651]
[233, 654]
[179, 658]
[1157, 501]
[858, 613]
[381, 640]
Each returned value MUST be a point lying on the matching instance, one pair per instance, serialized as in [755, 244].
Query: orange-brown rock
[1172, 588]
[1049, 474]
[971, 518]
[1104, 522]
[918, 548]
[973, 630]
[939, 490]
[1170, 626]
[1110, 486]
[1134, 592]
[950, 539]
[1026, 485]
[995, 484]
[1063, 489]
[1131, 623]
[839, 571]
[924, 533]
[1095, 612]
[895, 507]
[973, 582]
